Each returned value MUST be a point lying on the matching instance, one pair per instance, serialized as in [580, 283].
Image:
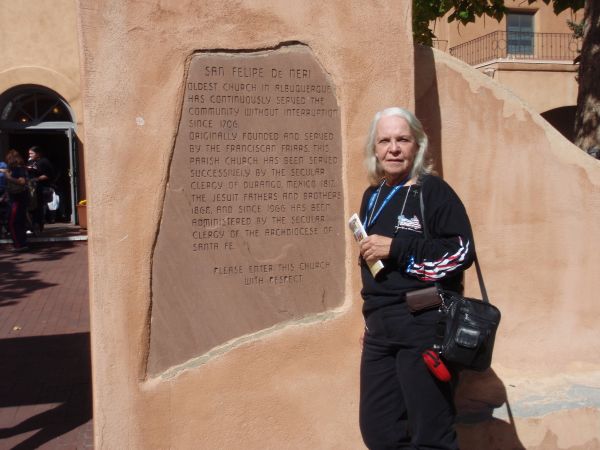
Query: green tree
[464, 11]
[587, 117]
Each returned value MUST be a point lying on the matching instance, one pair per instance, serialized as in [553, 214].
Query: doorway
[55, 147]
[563, 119]
[36, 116]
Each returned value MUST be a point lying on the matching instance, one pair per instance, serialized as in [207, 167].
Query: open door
[34, 115]
[73, 174]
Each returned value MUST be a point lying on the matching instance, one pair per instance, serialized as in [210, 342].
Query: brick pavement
[45, 376]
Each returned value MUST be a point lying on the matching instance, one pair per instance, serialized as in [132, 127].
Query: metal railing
[518, 46]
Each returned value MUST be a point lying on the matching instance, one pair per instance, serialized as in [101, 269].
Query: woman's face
[395, 148]
[33, 155]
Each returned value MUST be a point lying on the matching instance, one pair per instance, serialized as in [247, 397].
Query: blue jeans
[402, 405]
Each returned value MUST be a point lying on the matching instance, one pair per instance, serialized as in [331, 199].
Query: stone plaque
[252, 229]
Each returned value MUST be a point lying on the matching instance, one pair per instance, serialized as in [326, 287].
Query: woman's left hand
[375, 247]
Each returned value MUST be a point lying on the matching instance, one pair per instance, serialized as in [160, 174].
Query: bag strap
[484, 294]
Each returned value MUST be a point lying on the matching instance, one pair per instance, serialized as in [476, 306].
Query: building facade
[296, 384]
[531, 51]
[40, 91]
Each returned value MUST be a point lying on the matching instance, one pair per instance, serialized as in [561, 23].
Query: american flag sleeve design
[449, 249]
[436, 269]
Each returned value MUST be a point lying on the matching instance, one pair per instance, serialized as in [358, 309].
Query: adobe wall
[533, 201]
[531, 196]
[294, 382]
[39, 45]
[530, 83]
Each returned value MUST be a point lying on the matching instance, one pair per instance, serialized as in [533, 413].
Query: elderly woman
[402, 403]
[18, 197]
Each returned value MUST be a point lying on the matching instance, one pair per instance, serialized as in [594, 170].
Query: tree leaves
[561, 5]
[464, 11]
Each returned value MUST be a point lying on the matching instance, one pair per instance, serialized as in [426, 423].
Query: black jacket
[416, 262]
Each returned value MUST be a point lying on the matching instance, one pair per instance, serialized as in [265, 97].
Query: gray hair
[420, 167]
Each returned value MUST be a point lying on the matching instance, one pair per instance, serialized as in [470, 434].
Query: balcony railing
[518, 46]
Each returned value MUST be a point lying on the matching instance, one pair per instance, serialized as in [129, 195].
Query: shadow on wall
[427, 105]
[477, 394]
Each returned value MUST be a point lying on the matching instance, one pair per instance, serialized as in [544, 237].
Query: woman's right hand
[375, 247]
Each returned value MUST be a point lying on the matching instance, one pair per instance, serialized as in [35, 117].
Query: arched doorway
[34, 115]
[563, 119]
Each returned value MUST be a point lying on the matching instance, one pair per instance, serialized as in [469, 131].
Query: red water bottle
[436, 366]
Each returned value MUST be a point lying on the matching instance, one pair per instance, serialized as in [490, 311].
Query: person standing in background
[2, 178]
[3, 201]
[18, 195]
[42, 173]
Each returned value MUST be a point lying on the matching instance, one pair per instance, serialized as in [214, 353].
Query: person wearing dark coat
[402, 404]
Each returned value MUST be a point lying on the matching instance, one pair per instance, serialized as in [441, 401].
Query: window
[519, 33]
[30, 106]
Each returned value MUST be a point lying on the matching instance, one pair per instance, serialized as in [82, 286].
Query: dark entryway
[36, 116]
[55, 146]
[563, 119]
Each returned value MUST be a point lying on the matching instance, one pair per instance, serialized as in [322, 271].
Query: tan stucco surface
[295, 387]
[39, 45]
[533, 200]
[543, 90]
[532, 197]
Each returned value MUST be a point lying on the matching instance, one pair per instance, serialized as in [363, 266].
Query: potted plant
[82, 213]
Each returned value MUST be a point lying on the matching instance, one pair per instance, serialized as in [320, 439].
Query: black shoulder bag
[467, 332]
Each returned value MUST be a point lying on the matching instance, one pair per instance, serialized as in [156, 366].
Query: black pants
[402, 405]
[39, 213]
